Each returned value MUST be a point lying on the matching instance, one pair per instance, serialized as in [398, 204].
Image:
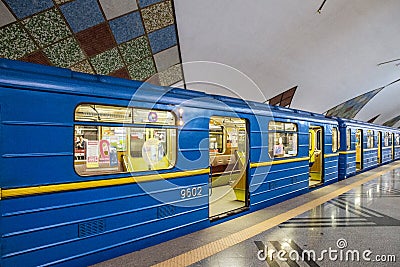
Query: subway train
[93, 167]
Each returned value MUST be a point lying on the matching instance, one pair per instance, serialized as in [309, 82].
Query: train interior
[103, 149]
[359, 150]
[228, 166]
[316, 156]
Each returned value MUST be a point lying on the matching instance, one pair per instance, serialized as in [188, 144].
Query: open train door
[393, 144]
[316, 155]
[229, 154]
[359, 150]
[379, 147]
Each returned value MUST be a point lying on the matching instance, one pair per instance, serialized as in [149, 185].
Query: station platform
[355, 222]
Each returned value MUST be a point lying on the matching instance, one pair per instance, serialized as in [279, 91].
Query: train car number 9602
[191, 192]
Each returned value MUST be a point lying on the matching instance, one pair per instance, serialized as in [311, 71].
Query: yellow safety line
[347, 152]
[33, 190]
[268, 163]
[331, 155]
[219, 245]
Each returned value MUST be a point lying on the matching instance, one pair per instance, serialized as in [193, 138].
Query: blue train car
[75, 188]
[396, 144]
[94, 167]
[364, 146]
[300, 154]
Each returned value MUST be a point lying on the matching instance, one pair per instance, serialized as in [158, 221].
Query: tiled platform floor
[359, 215]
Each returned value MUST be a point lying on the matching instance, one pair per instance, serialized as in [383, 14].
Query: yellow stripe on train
[42, 189]
[268, 163]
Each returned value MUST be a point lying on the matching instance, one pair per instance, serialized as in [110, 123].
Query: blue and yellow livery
[93, 167]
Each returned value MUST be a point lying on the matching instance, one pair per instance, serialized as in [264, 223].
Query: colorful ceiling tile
[171, 75]
[47, 27]
[96, 39]
[5, 15]
[107, 62]
[135, 50]
[59, 2]
[65, 53]
[37, 57]
[392, 122]
[167, 58]
[82, 14]
[83, 66]
[162, 39]
[144, 3]
[127, 27]
[143, 69]
[350, 108]
[158, 16]
[25, 8]
[121, 73]
[15, 42]
[116, 8]
[132, 39]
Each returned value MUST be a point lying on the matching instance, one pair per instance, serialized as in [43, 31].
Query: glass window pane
[216, 139]
[334, 139]
[147, 116]
[100, 113]
[114, 114]
[282, 139]
[386, 140]
[370, 139]
[276, 126]
[103, 150]
[348, 139]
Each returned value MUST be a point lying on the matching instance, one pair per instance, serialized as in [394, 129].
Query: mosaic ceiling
[392, 122]
[350, 108]
[132, 39]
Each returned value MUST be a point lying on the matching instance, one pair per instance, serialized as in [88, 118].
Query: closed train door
[228, 187]
[359, 150]
[379, 147]
[316, 156]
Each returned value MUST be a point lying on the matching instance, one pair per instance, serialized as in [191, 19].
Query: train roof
[352, 122]
[59, 80]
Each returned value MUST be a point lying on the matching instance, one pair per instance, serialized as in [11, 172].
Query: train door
[379, 147]
[228, 143]
[392, 136]
[359, 150]
[316, 156]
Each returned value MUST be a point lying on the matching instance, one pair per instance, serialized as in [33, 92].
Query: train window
[335, 139]
[102, 113]
[105, 149]
[216, 138]
[370, 139]
[282, 139]
[348, 139]
[397, 139]
[387, 139]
